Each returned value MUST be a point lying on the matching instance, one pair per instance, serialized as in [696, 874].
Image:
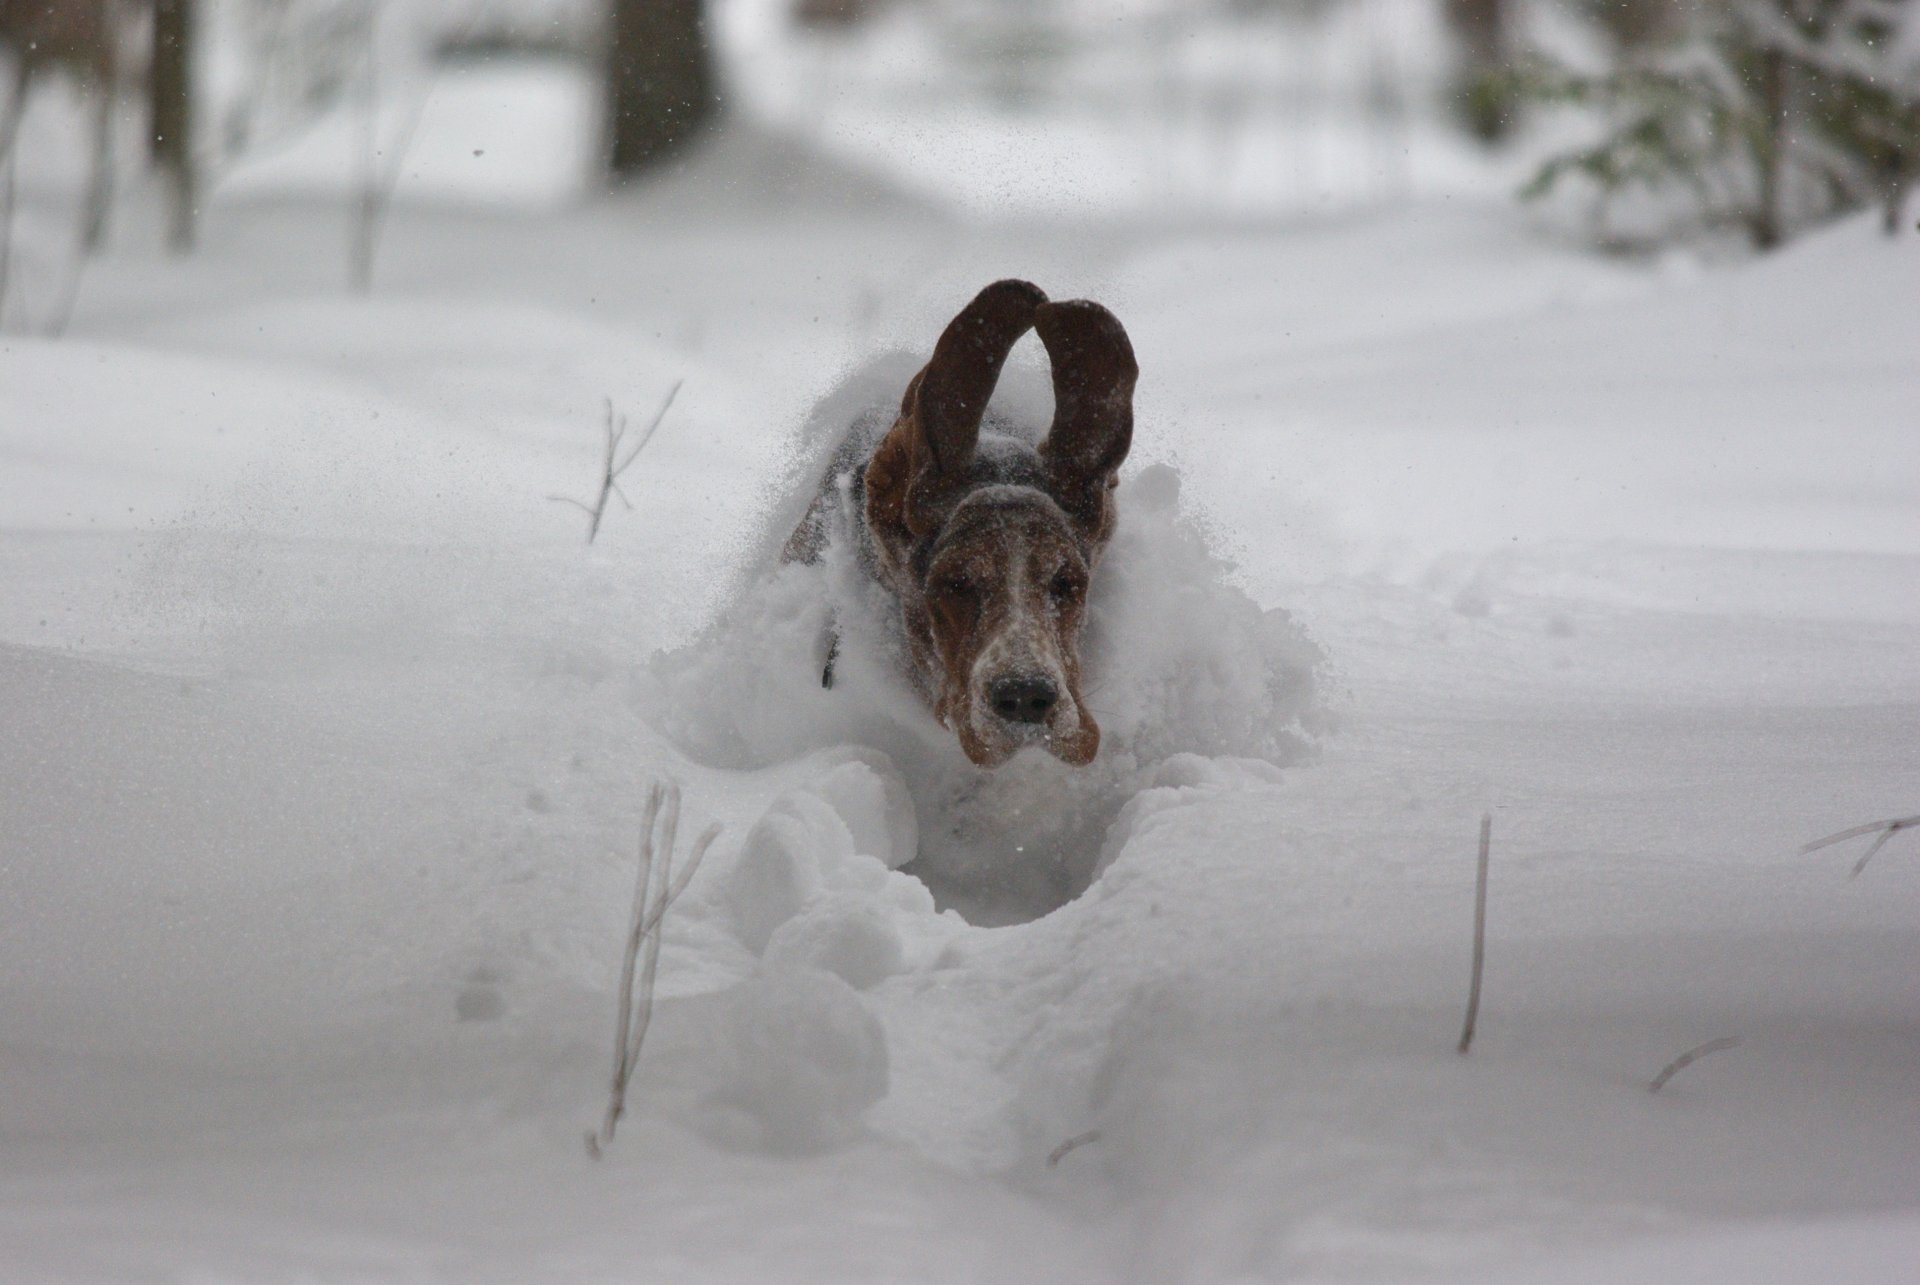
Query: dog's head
[990, 545]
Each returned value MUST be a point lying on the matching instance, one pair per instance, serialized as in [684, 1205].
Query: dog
[988, 542]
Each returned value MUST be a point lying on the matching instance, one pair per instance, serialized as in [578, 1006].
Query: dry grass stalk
[1885, 829]
[1688, 1058]
[1479, 933]
[614, 462]
[656, 889]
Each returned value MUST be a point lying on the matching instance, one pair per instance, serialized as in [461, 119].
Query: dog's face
[990, 551]
[1004, 595]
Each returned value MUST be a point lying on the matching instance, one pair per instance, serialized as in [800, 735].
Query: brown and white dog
[988, 541]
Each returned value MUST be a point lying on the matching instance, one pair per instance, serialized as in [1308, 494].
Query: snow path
[324, 754]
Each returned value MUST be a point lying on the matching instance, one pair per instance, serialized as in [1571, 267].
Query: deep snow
[327, 736]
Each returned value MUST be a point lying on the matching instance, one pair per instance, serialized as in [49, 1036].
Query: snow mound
[842, 833]
[1179, 660]
[846, 934]
[807, 1057]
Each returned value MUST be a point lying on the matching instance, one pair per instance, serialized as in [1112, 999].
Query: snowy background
[326, 735]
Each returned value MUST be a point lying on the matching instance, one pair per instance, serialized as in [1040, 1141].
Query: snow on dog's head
[1179, 660]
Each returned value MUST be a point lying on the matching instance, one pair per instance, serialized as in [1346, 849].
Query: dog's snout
[1023, 698]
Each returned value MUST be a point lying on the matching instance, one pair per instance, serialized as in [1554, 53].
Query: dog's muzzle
[1023, 699]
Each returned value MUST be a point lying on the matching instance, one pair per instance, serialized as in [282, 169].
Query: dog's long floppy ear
[1093, 377]
[930, 449]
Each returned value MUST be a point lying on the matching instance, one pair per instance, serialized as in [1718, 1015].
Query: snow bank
[805, 1059]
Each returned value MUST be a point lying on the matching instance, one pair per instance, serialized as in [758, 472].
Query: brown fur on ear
[889, 474]
[948, 397]
[1093, 377]
[929, 450]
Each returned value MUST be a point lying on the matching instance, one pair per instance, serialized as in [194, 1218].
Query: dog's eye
[957, 585]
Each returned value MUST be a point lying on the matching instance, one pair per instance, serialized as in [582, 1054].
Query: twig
[1688, 1058]
[377, 184]
[1479, 933]
[613, 462]
[361, 243]
[1885, 829]
[8, 179]
[1072, 1144]
[652, 889]
[242, 116]
[623, 1022]
[656, 889]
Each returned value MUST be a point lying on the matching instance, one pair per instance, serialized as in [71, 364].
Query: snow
[460, 136]
[327, 737]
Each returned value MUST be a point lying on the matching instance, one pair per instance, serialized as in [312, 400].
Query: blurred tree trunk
[1482, 31]
[1767, 223]
[170, 111]
[1637, 24]
[661, 87]
[1481, 28]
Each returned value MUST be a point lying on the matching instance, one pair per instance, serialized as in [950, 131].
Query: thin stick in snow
[8, 175]
[656, 889]
[378, 184]
[1688, 1058]
[613, 462]
[1071, 1145]
[1479, 933]
[623, 1023]
[1885, 829]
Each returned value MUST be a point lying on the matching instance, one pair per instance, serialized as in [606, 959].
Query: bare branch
[655, 890]
[379, 183]
[622, 1062]
[1071, 1145]
[1688, 1058]
[650, 964]
[1479, 933]
[615, 429]
[1885, 829]
[8, 178]
[685, 876]
[1872, 848]
[613, 463]
[1858, 830]
[652, 427]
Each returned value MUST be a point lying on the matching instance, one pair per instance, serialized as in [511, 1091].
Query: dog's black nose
[1027, 699]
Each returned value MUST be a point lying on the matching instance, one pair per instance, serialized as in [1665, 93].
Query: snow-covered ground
[326, 738]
